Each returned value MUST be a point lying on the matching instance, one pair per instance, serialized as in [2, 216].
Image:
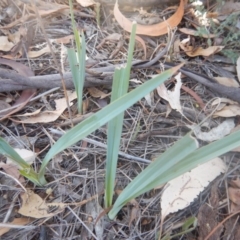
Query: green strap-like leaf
[8, 151]
[150, 177]
[26, 169]
[103, 116]
[119, 88]
[182, 165]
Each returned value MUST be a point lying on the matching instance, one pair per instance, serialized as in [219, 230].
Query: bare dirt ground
[33, 116]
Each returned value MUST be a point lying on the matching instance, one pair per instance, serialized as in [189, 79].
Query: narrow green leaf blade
[31, 175]
[8, 151]
[151, 176]
[73, 63]
[81, 50]
[114, 131]
[119, 88]
[113, 142]
[77, 65]
[131, 49]
[103, 116]
[189, 162]
[26, 169]
[202, 155]
[191, 221]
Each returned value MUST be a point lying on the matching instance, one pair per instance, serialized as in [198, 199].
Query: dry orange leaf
[151, 30]
[17, 221]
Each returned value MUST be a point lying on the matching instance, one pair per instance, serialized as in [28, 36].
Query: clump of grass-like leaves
[183, 156]
[86, 127]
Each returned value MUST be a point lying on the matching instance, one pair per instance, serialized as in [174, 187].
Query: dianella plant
[89, 125]
[183, 156]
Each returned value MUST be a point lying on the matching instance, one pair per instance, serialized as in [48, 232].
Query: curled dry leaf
[47, 116]
[229, 82]
[35, 54]
[220, 103]
[223, 100]
[5, 45]
[30, 113]
[195, 33]
[216, 133]
[193, 52]
[173, 97]
[151, 30]
[94, 92]
[182, 190]
[228, 111]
